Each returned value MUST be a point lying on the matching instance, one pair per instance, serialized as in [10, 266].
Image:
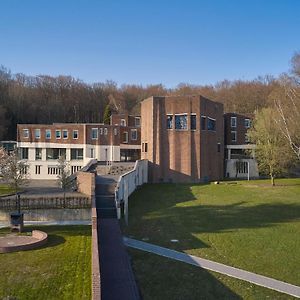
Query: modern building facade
[182, 138]
[239, 153]
[41, 145]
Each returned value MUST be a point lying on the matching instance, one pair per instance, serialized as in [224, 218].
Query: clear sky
[149, 41]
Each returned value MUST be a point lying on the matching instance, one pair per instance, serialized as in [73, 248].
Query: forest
[47, 99]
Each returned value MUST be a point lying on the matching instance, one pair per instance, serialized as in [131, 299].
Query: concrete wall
[231, 168]
[86, 183]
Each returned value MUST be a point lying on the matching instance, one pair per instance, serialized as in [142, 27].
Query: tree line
[46, 99]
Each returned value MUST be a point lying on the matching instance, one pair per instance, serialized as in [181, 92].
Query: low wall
[38, 239]
[56, 215]
[86, 183]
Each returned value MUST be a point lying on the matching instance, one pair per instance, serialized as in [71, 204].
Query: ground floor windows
[55, 153]
[75, 169]
[130, 154]
[77, 154]
[241, 167]
[38, 170]
[53, 170]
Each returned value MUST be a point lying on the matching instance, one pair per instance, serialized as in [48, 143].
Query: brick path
[117, 279]
[264, 281]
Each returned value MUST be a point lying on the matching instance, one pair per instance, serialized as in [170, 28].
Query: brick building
[239, 153]
[42, 144]
[182, 138]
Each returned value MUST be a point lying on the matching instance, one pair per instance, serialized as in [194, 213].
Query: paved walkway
[117, 279]
[264, 281]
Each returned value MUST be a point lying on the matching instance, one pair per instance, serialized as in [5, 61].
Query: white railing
[128, 183]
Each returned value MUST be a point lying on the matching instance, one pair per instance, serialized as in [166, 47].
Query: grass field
[59, 270]
[249, 225]
[5, 189]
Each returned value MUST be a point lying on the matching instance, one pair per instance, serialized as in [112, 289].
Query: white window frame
[115, 131]
[47, 130]
[105, 131]
[65, 130]
[173, 120]
[126, 140]
[233, 122]
[56, 131]
[207, 124]
[235, 135]
[123, 122]
[136, 136]
[37, 130]
[101, 131]
[135, 119]
[26, 136]
[97, 133]
[193, 114]
[75, 138]
[247, 123]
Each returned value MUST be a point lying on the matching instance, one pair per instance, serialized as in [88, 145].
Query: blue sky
[148, 42]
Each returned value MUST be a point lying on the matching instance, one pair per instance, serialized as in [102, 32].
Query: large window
[24, 153]
[233, 121]
[26, 133]
[94, 133]
[55, 153]
[169, 121]
[37, 133]
[48, 134]
[181, 122]
[193, 122]
[77, 154]
[38, 153]
[203, 123]
[211, 124]
[133, 134]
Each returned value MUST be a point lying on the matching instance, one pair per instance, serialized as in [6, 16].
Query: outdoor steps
[117, 168]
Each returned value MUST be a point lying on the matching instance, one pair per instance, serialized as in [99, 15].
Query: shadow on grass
[154, 212]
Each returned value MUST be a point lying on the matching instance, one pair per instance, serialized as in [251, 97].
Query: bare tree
[63, 176]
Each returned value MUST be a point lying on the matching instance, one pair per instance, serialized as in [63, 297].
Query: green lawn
[59, 270]
[249, 225]
[5, 189]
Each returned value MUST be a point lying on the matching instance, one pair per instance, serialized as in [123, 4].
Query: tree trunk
[272, 179]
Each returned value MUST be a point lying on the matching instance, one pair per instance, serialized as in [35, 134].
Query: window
[24, 153]
[48, 134]
[37, 133]
[37, 170]
[123, 122]
[125, 137]
[94, 133]
[247, 123]
[65, 133]
[233, 121]
[242, 167]
[246, 138]
[55, 153]
[115, 131]
[105, 131]
[233, 136]
[77, 154]
[181, 122]
[146, 147]
[26, 133]
[169, 121]
[53, 170]
[101, 131]
[211, 124]
[75, 169]
[193, 122]
[219, 147]
[203, 123]
[38, 153]
[24, 170]
[133, 134]
[92, 152]
[137, 122]
[58, 134]
[75, 134]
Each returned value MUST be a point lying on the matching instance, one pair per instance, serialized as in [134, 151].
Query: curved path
[264, 281]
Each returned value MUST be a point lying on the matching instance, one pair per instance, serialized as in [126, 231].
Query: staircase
[116, 168]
